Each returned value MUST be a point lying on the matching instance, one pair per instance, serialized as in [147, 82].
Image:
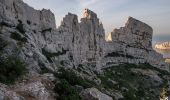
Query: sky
[114, 13]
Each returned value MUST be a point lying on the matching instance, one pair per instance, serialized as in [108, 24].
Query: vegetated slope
[124, 82]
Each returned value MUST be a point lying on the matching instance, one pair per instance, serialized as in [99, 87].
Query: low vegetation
[66, 91]
[133, 86]
[3, 44]
[18, 37]
[11, 69]
[20, 27]
[68, 80]
[49, 55]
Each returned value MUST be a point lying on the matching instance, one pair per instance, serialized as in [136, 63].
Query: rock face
[132, 44]
[32, 36]
[94, 94]
[14, 10]
[40, 87]
[84, 40]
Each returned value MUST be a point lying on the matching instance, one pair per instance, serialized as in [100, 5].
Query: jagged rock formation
[133, 44]
[84, 40]
[73, 43]
[163, 46]
[31, 36]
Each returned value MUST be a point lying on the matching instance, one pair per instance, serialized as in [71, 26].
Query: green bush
[66, 91]
[74, 79]
[3, 44]
[130, 95]
[10, 69]
[28, 22]
[49, 55]
[18, 37]
[20, 27]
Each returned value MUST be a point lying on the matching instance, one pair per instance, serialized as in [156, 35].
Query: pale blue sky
[114, 13]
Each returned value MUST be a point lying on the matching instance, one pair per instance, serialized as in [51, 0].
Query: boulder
[94, 94]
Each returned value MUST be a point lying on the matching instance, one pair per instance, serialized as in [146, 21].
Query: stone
[2, 97]
[94, 94]
[132, 44]
[37, 87]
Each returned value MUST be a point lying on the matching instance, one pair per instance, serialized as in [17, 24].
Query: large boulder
[94, 94]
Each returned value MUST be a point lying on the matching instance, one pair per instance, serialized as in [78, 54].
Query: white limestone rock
[163, 46]
[94, 94]
[133, 44]
[92, 40]
[73, 43]
[14, 10]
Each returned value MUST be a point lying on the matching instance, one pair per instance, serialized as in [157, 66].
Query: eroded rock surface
[94, 94]
[133, 44]
[39, 43]
[39, 87]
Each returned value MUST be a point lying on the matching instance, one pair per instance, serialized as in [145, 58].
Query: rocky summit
[74, 61]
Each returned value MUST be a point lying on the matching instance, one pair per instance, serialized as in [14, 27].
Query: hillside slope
[74, 61]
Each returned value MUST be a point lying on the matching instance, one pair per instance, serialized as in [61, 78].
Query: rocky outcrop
[92, 39]
[164, 49]
[163, 46]
[94, 94]
[73, 44]
[39, 87]
[133, 44]
[14, 10]
[85, 40]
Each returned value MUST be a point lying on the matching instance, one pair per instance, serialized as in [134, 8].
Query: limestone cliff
[73, 43]
[31, 36]
[133, 44]
[163, 48]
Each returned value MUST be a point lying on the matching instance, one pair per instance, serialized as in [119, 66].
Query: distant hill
[163, 48]
[164, 45]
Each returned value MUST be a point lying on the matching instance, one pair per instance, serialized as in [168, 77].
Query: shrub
[3, 44]
[28, 22]
[74, 79]
[20, 27]
[66, 91]
[49, 55]
[10, 69]
[18, 37]
[130, 95]
[5, 24]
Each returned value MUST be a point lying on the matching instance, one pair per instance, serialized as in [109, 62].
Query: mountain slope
[74, 61]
